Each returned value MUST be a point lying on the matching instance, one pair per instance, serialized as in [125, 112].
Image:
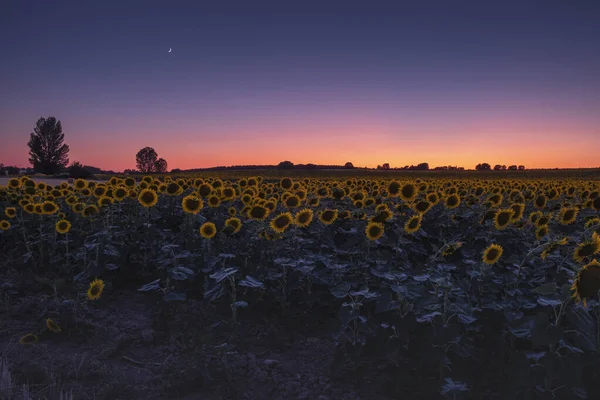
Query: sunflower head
[292, 201]
[492, 254]
[30, 338]
[541, 231]
[503, 218]
[567, 215]
[304, 217]
[208, 230]
[192, 204]
[393, 189]
[518, 209]
[148, 198]
[258, 212]
[52, 326]
[10, 212]
[281, 222]
[173, 189]
[4, 225]
[14, 183]
[382, 216]
[587, 282]
[286, 183]
[49, 208]
[63, 226]
[413, 224]
[328, 216]
[587, 248]
[422, 206]
[214, 200]
[540, 201]
[534, 216]
[120, 193]
[374, 230]
[408, 192]
[233, 225]
[95, 289]
[452, 201]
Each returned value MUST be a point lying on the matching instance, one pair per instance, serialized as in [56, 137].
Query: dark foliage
[48, 153]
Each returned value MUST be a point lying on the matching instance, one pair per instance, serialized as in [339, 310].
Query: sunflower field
[487, 287]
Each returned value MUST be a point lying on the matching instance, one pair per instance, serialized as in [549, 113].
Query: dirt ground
[132, 345]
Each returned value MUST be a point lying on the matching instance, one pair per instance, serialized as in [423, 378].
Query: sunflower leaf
[154, 285]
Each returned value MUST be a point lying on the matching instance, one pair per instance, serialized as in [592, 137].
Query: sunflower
[192, 204]
[10, 212]
[544, 220]
[534, 216]
[413, 224]
[541, 231]
[14, 183]
[52, 326]
[587, 282]
[314, 202]
[233, 225]
[30, 338]
[49, 208]
[232, 211]
[567, 215]
[503, 218]
[452, 201]
[374, 230]
[304, 217]
[129, 182]
[120, 193]
[408, 192]
[394, 189]
[208, 230]
[148, 198]
[596, 203]
[587, 248]
[213, 201]
[552, 246]
[281, 222]
[4, 225]
[540, 201]
[63, 226]
[99, 191]
[328, 216]
[286, 183]
[292, 201]
[491, 254]
[95, 290]
[432, 198]
[518, 209]
[382, 216]
[422, 206]
[258, 213]
[173, 189]
[105, 201]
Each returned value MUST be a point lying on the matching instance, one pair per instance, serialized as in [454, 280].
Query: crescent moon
[169, 49]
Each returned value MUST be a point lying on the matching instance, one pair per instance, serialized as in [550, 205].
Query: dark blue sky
[273, 73]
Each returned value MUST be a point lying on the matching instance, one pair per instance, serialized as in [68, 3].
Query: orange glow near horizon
[184, 150]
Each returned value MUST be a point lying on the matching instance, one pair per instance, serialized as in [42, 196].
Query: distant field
[341, 174]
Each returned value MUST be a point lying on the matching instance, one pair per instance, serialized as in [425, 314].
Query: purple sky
[260, 82]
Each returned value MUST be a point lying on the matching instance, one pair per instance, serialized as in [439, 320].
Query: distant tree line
[498, 167]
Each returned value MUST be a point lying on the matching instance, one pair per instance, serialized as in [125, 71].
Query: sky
[324, 82]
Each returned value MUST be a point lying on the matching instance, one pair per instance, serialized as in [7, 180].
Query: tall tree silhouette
[47, 152]
[146, 160]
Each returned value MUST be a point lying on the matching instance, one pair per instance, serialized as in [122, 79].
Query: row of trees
[498, 167]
